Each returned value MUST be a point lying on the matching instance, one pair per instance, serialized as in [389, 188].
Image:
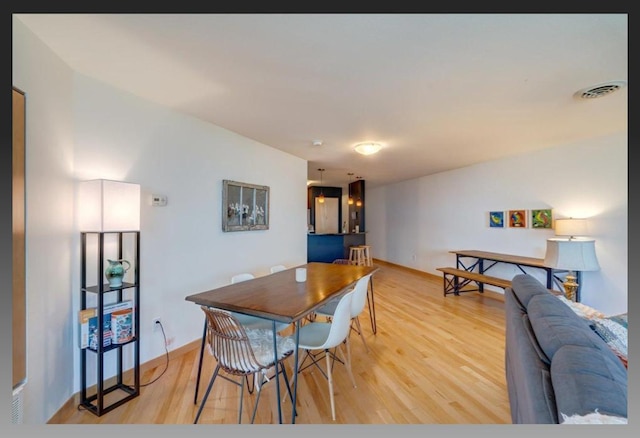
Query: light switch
[158, 200]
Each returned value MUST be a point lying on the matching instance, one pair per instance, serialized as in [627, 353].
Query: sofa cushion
[531, 395]
[585, 380]
[526, 287]
[556, 325]
[533, 341]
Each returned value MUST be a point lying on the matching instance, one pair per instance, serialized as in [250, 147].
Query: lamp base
[570, 286]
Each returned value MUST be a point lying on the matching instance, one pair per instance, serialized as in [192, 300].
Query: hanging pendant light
[359, 201]
[321, 195]
[350, 200]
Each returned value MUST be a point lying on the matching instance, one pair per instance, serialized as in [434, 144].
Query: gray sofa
[555, 363]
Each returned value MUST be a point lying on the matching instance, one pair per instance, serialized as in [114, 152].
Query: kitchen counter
[328, 247]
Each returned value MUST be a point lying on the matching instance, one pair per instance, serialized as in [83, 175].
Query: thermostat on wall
[158, 200]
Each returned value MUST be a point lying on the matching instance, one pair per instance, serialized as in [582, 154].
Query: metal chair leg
[206, 394]
[255, 407]
[241, 399]
[372, 307]
[359, 330]
[204, 337]
[348, 360]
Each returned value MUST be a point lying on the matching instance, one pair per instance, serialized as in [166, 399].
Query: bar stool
[368, 260]
[357, 255]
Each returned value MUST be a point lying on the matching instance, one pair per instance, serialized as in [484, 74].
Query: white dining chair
[357, 306]
[247, 321]
[319, 337]
[243, 352]
[277, 268]
[242, 277]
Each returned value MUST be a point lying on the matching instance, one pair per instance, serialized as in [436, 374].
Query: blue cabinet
[329, 247]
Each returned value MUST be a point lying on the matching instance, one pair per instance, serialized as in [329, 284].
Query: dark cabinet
[356, 210]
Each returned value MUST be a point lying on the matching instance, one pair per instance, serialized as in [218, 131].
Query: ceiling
[438, 91]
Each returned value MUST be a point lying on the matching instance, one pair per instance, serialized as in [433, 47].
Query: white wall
[79, 129]
[183, 248]
[429, 216]
[47, 83]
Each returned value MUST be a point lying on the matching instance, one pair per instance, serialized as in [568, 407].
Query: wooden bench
[453, 285]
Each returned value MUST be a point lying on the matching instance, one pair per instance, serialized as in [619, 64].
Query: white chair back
[242, 277]
[359, 296]
[278, 268]
[340, 323]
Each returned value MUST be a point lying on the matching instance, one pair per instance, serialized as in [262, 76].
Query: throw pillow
[582, 309]
[614, 334]
[593, 418]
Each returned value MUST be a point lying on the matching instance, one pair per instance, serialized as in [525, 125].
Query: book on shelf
[121, 326]
[107, 328]
[83, 318]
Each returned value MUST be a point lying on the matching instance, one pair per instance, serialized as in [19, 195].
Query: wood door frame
[19, 304]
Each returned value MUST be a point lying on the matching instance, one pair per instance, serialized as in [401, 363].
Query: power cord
[80, 407]
[166, 352]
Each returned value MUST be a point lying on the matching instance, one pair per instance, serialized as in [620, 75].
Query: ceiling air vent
[600, 90]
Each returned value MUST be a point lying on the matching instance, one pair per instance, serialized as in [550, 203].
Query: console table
[482, 261]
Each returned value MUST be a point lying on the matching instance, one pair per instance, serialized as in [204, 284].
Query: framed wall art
[541, 218]
[517, 219]
[496, 219]
[245, 207]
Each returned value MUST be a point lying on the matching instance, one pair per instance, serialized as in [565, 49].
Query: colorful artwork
[496, 219]
[541, 218]
[517, 219]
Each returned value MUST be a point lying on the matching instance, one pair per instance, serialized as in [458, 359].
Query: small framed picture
[245, 207]
[541, 218]
[496, 219]
[517, 219]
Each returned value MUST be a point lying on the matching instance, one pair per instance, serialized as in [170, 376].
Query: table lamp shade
[571, 227]
[571, 254]
[106, 205]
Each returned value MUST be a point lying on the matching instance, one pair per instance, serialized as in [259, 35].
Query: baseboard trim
[408, 269]
[74, 400]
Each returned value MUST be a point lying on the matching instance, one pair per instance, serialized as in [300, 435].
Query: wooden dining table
[280, 298]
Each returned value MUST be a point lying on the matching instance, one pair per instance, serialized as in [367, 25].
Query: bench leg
[451, 284]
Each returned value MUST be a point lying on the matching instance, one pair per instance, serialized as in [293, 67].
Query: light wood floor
[434, 360]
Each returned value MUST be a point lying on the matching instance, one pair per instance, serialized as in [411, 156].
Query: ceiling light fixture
[368, 148]
[317, 142]
[321, 195]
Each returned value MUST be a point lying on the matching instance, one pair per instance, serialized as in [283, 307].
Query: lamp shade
[106, 205]
[571, 254]
[571, 227]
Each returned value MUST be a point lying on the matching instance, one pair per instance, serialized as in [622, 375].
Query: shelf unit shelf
[98, 403]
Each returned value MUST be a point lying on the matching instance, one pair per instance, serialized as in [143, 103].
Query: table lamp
[571, 253]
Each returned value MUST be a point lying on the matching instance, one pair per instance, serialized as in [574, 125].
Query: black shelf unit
[96, 402]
